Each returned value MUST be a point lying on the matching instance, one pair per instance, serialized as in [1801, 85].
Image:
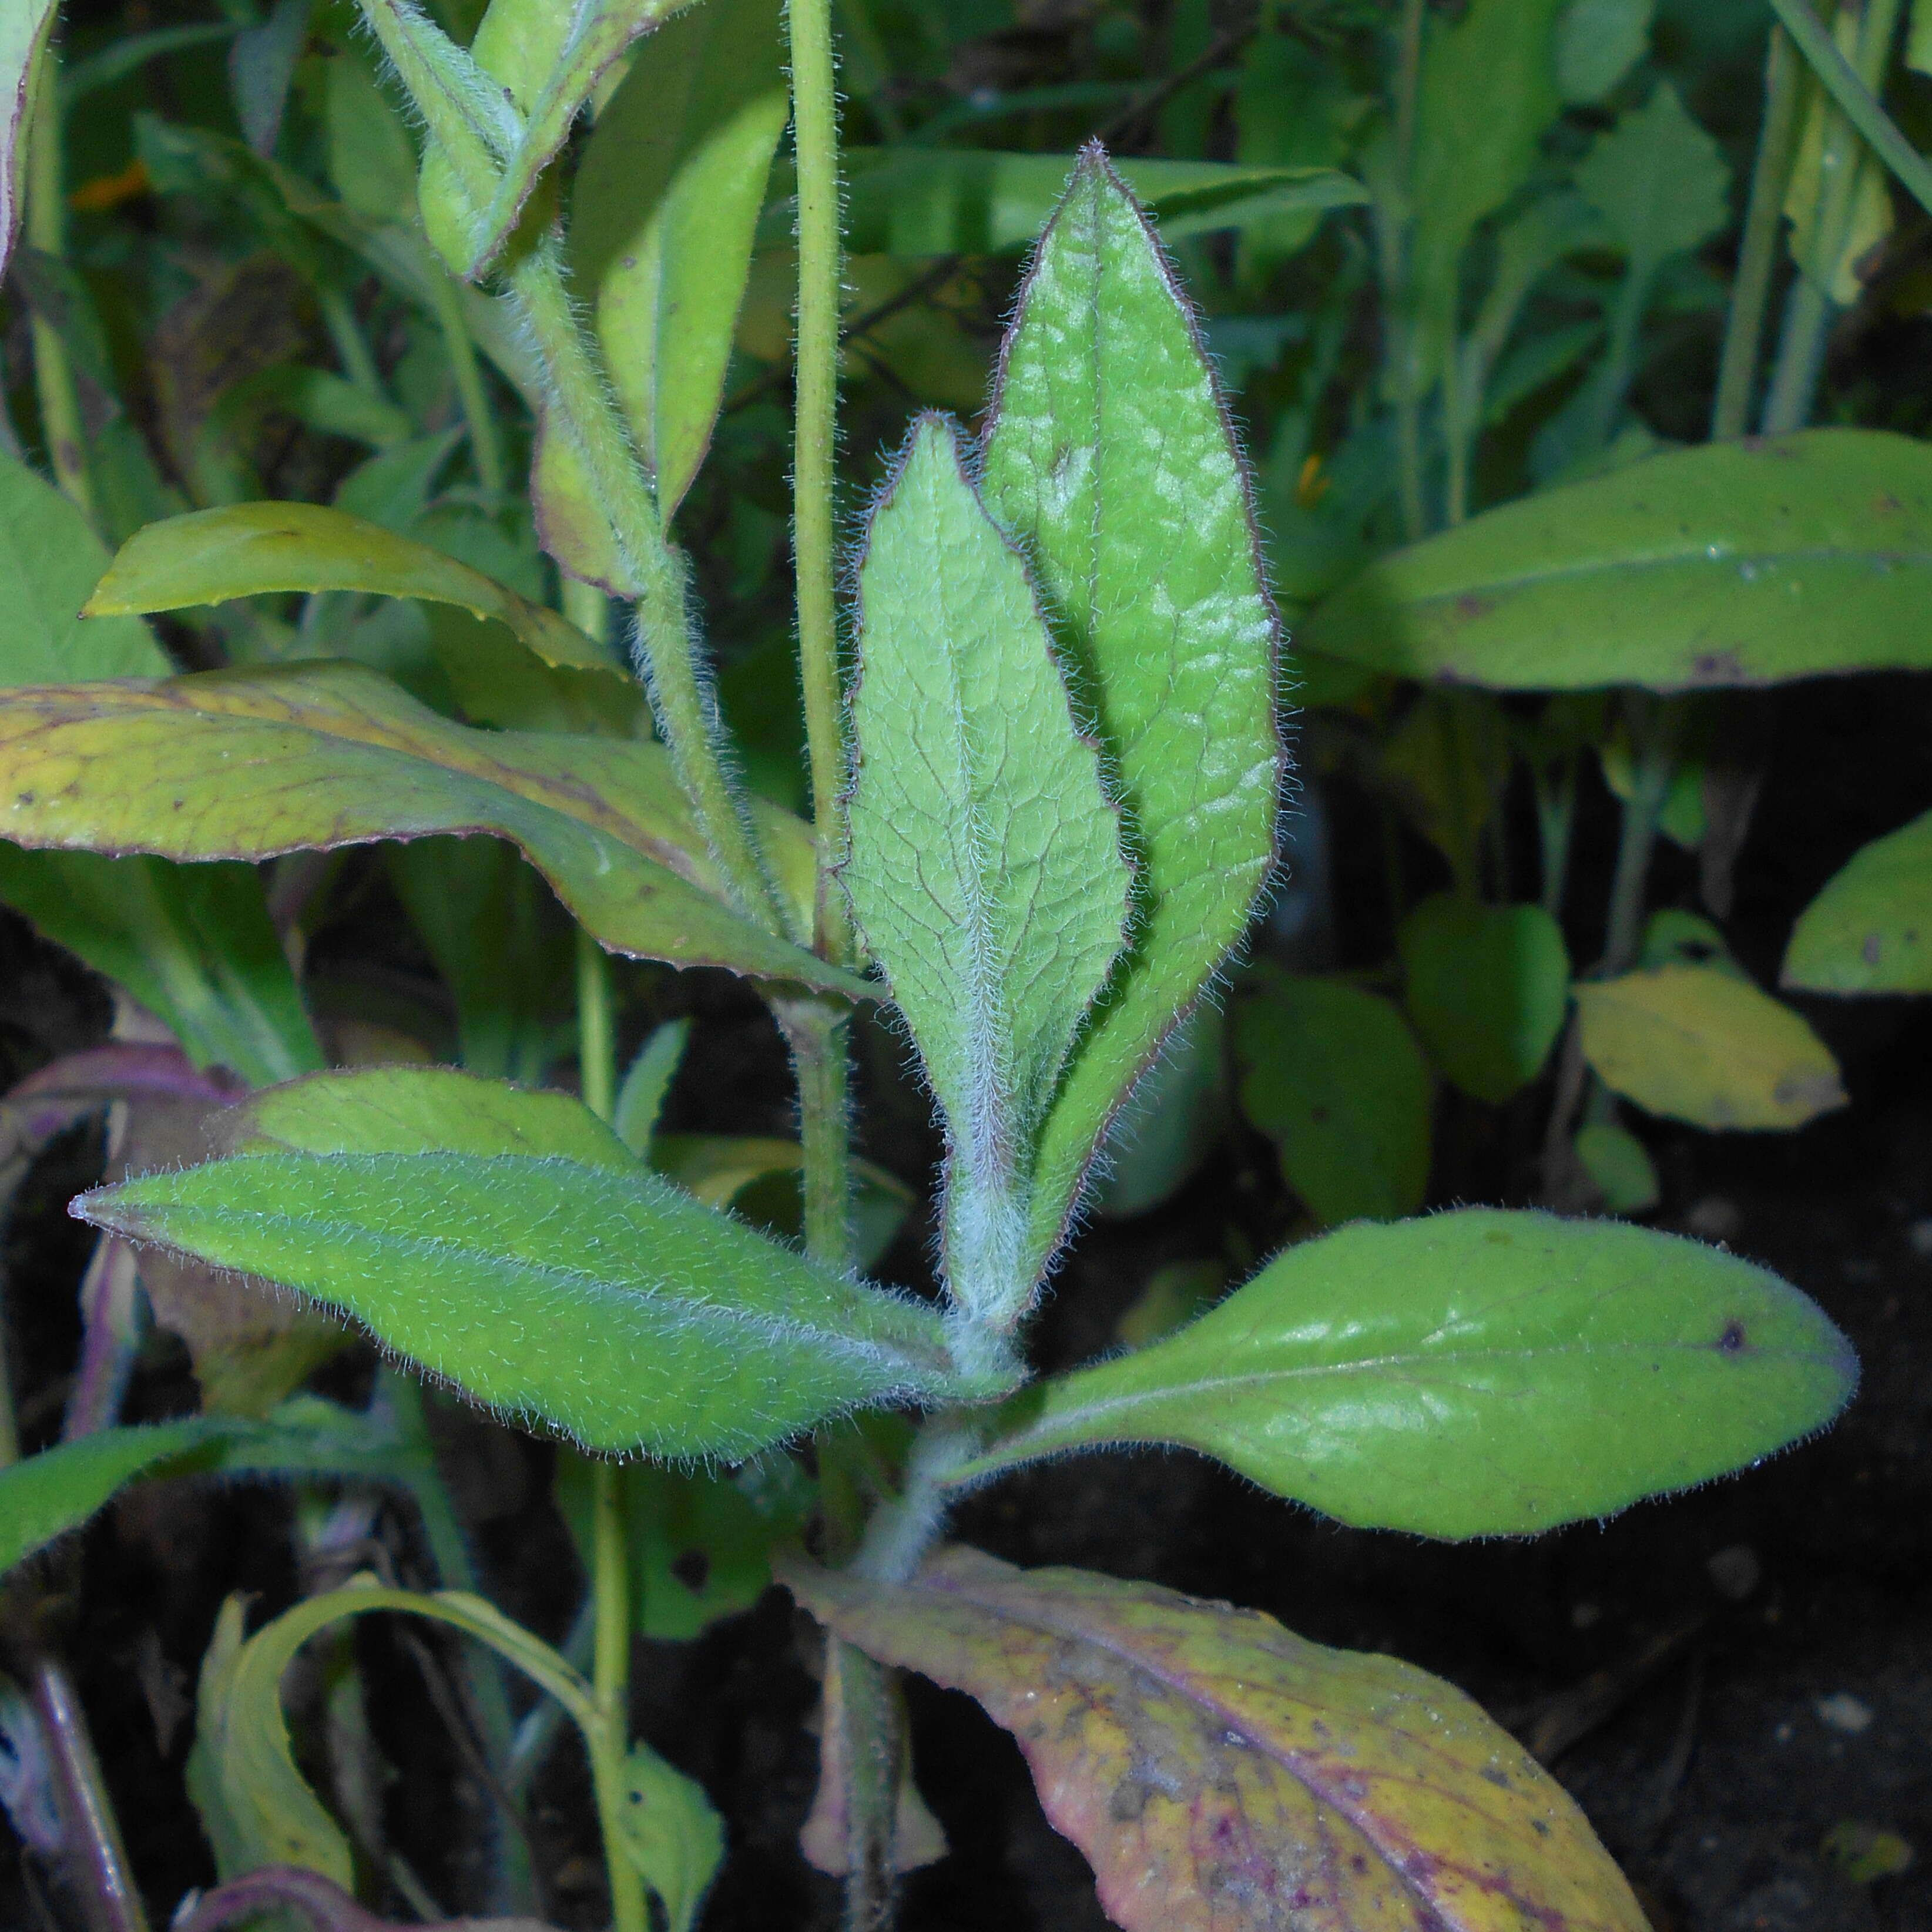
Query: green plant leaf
[1597, 43]
[1109, 457]
[1334, 1075]
[700, 1545]
[24, 29]
[1659, 180]
[672, 1834]
[914, 201]
[1702, 1044]
[320, 755]
[1870, 931]
[1220, 1772]
[255, 1805]
[984, 868]
[1485, 94]
[1487, 987]
[641, 1098]
[193, 944]
[561, 1280]
[663, 212]
[1620, 1166]
[43, 1497]
[50, 559]
[1733, 563]
[244, 550]
[1477, 1373]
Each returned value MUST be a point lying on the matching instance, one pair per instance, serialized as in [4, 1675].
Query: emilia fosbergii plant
[1046, 774]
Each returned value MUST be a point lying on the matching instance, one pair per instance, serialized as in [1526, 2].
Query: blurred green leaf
[25, 27]
[1699, 1044]
[985, 870]
[1109, 457]
[641, 1098]
[317, 756]
[1487, 987]
[1733, 563]
[1169, 1125]
[1659, 180]
[370, 160]
[1477, 1373]
[1334, 1076]
[1620, 1167]
[1870, 931]
[43, 1497]
[1597, 43]
[665, 208]
[1674, 937]
[246, 549]
[972, 201]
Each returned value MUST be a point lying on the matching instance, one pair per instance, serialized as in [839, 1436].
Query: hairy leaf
[663, 213]
[1221, 1774]
[1110, 458]
[43, 1497]
[1701, 1044]
[1733, 563]
[1334, 1075]
[24, 26]
[1870, 931]
[50, 559]
[1477, 1373]
[587, 1291]
[242, 550]
[985, 867]
[248, 764]
[914, 201]
[1487, 987]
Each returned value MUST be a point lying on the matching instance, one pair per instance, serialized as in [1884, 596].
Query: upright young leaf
[985, 868]
[1111, 459]
[242, 550]
[1221, 1774]
[253, 763]
[1477, 1373]
[663, 213]
[25, 26]
[462, 1221]
[1870, 931]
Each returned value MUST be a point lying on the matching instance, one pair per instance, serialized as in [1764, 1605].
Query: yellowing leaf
[245, 549]
[248, 764]
[1221, 1775]
[1700, 1045]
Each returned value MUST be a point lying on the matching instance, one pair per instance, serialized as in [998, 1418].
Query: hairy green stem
[486, 445]
[580, 401]
[1757, 252]
[60, 425]
[1855, 89]
[818, 1031]
[815, 380]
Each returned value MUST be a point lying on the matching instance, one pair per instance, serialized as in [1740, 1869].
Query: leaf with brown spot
[1221, 1775]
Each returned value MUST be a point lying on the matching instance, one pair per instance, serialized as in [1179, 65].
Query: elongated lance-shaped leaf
[663, 212]
[24, 26]
[43, 1497]
[1734, 563]
[1111, 458]
[1870, 931]
[985, 869]
[1480, 1373]
[249, 764]
[584, 1291]
[242, 550]
[1223, 1775]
